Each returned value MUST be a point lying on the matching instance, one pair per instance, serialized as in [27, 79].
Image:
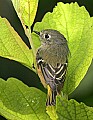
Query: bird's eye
[47, 36]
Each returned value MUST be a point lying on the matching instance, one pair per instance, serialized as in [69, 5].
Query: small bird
[52, 60]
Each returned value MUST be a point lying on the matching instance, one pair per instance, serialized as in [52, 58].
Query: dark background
[8, 68]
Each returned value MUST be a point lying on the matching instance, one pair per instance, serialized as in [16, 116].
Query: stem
[32, 46]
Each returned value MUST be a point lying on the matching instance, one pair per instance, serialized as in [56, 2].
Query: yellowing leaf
[26, 10]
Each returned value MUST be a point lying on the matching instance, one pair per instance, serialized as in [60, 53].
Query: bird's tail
[51, 97]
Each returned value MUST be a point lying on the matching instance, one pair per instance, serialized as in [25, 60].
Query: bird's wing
[51, 76]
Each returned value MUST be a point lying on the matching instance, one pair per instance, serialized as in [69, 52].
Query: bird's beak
[38, 33]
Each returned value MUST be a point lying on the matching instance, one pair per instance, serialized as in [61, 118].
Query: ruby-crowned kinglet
[52, 60]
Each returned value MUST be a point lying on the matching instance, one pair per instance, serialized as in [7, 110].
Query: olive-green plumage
[52, 59]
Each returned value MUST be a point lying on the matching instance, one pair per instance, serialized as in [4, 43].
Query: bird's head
[50, 36]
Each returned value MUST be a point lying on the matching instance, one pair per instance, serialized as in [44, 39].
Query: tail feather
[51, 97]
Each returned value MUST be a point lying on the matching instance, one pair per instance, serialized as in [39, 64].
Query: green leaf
[72, 110]
[76, 25]
[51, 111]
[20, 102]
[35, 42]
[26, 10]
[12, 46]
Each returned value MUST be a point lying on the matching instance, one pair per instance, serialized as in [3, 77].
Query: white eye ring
[47, 36]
